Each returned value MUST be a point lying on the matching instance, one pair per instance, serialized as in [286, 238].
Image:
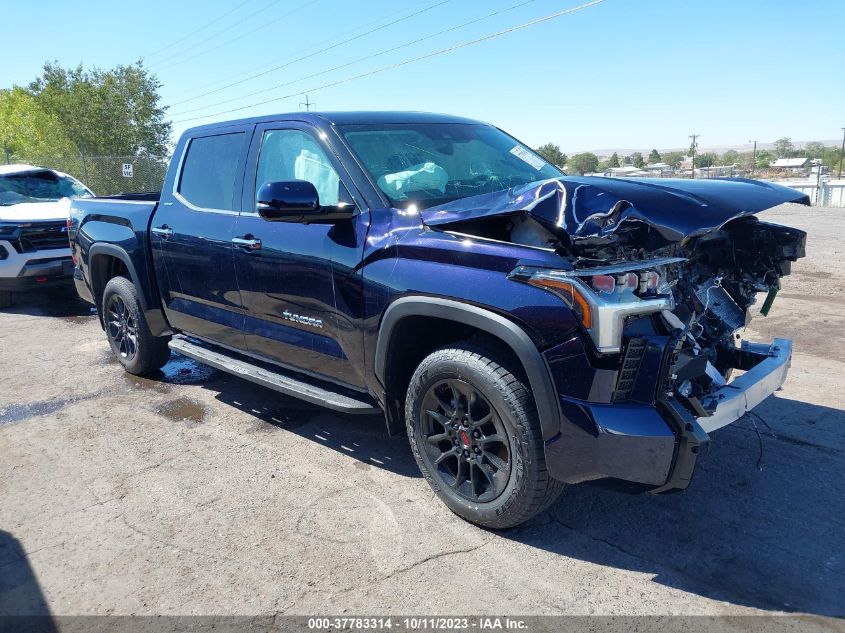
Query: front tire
[476, 437]
[127, 331]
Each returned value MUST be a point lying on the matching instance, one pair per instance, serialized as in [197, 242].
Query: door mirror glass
[287, 200]
[298, 201]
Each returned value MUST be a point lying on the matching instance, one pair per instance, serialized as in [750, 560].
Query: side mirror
[288, 200]
[298, 201]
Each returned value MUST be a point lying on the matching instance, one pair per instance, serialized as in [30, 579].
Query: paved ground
[197, 493]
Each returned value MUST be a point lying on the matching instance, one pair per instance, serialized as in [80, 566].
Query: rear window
[208, 171]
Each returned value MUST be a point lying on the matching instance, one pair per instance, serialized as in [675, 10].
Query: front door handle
[163, 230]
[247, 241]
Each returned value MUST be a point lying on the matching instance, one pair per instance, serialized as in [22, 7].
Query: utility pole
[307, 104]
[753, 158]
[841, 153]
[692, 149]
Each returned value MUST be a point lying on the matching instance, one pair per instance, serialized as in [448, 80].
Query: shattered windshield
[39, 186]
[432, 163]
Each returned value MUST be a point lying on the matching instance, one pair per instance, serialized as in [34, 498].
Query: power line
[355, 61]
[197, 30]
[217, 33]
[322, 50]
[412, 60]
[311, 48]
[247, 34]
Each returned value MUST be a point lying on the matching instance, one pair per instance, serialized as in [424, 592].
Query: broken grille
[630, 368]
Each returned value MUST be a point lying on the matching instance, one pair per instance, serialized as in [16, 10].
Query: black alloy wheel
[466, 442]
[121, 327]
[127, 329]
[475, 435]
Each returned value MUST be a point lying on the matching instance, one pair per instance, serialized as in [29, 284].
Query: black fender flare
[111, 250]
[154, 315]
[536, 369]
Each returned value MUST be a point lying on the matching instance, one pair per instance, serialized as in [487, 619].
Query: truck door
[191, 237]
[298, 282]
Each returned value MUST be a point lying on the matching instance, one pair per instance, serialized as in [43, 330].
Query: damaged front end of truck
[660, 274]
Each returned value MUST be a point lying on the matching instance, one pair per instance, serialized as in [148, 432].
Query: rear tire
[5, 299]
[127, 331]
[475, 434]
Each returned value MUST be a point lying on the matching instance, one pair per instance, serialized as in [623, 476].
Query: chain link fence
[105, 175]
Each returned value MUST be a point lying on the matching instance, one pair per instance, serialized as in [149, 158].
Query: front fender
[507, 331]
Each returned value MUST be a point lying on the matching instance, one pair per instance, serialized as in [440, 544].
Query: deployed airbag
[421, 177]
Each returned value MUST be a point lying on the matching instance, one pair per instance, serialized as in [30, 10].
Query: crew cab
[527, 329]
[34, 251]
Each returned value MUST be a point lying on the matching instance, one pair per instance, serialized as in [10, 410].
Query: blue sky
[623, 73]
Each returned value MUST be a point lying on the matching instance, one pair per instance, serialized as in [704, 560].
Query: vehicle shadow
[21, 601]
[62, 302]
[361, 437]
[770, 539]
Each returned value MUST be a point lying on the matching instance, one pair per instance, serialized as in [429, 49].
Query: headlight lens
[603, 298]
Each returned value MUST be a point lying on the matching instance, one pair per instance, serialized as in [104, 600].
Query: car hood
[590, 208]
[36, 211]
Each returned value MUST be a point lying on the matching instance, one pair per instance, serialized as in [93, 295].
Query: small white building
[791, 164]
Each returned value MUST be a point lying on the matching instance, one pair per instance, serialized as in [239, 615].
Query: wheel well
[415, 337]
[103, 268]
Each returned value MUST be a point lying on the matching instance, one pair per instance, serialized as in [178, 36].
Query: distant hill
[718, 149]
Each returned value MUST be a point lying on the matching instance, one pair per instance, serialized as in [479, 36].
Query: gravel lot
[198, 493]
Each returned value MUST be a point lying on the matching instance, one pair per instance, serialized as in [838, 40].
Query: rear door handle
[248, 242]
[163, 230]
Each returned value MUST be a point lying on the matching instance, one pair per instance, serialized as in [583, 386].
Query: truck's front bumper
[657, 445]
[750, 389]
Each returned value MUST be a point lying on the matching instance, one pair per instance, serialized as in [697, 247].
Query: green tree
[637, 160]
[673, 158]
[764, 158]
[614, 160]
[813, 149]
[26, 129]
[706, 159]
[784, 147]
[584, 163]
[552, 153]
[654, 157]
[731, 157]
[106, 112]
[830, 157]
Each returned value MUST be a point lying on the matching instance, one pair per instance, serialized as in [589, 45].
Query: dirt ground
[198, 493]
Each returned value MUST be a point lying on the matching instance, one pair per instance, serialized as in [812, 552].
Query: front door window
[295, 155]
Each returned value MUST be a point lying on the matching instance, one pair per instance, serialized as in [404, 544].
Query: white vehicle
[34, 207]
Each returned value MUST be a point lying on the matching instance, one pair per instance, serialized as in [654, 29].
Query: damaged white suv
[34, 249]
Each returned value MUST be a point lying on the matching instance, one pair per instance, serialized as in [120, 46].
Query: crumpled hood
[587, 208]
[36, 211]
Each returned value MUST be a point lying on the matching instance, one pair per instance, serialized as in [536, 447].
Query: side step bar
[318, 392]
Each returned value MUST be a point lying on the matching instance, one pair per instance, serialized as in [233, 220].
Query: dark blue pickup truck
[527, 329]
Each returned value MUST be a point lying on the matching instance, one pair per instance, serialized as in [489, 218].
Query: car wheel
[475, 434]
[5, 299]
[127, 331]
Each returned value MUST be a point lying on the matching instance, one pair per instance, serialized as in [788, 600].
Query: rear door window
[209, 170]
